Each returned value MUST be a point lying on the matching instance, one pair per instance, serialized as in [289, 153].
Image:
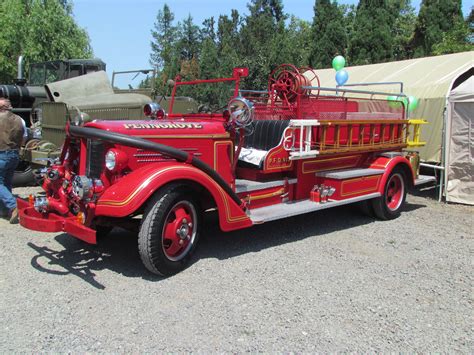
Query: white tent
[459, 157]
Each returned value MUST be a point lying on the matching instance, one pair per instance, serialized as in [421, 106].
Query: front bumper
[51, 222]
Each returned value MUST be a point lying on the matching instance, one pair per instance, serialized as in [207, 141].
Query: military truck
[83, 99]
[26, 94]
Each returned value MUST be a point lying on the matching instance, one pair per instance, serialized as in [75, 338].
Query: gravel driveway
[333, 280]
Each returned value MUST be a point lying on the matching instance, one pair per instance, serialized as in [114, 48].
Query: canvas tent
[429, 79]
[459, 177]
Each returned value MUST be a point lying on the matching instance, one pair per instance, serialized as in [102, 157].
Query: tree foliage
[328, 33]
[40, 30]
[373, 31]
[434, 19]
[455, 40]
[371, 40]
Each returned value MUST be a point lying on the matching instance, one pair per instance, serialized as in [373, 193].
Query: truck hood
[92, 91]
[176, 128]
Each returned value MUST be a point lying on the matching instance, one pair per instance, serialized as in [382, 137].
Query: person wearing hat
[12, 134]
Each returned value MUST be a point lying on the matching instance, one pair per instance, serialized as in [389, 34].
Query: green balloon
[393, 102]
[338, 63]
[412, 103]
[397, 101]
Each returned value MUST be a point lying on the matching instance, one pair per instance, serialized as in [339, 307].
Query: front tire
[169, 231]
[389, 205]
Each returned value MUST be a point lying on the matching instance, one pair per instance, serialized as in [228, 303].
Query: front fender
[132, 191]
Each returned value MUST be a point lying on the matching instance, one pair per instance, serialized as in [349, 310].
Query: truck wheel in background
[389, 205]
[169, 230]
[23, 175]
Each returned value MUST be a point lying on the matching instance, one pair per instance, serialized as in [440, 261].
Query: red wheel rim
[394, 192]
[179, 231]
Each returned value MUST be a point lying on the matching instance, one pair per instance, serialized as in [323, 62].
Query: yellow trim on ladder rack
[415, 142]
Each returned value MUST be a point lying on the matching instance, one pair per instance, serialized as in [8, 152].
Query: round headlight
[110, 160]
[241, 111]
[115, 160]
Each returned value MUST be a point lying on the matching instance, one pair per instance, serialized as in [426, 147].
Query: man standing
[12, 133]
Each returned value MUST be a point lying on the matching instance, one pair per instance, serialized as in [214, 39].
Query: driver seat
[267, 134]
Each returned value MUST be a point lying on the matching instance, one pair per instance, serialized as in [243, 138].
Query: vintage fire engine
[254, 156]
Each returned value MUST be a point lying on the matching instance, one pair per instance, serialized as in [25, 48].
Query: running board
[285, 210]
[424, 179]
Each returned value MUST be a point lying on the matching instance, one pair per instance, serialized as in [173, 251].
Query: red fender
[133, 190]
[389, 164]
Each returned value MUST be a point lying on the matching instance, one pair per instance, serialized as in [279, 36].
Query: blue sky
[120, 29]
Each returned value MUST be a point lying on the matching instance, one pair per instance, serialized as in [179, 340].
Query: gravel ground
[333, 280]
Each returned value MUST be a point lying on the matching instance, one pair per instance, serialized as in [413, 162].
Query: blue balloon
[341, 77]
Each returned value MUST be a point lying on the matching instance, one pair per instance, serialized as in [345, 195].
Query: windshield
[133, 80]
[209, 97]
[44, 73]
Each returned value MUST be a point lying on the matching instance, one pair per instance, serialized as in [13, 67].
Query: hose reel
[286, 82]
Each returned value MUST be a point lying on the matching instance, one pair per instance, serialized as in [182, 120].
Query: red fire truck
[254, 156]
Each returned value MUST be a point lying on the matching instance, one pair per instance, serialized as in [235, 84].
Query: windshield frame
[237, 74]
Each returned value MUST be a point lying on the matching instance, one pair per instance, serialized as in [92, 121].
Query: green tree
[208, 30]
[403, 29]
[454, 41]
[163, 34]
[208, 59]
[163, 49]
[371, 39]
[229, 46]
[188, 39]
[470, 24]
[262, 32]
[434, 19]
[40, 30]
[297, 42]
[328, 32]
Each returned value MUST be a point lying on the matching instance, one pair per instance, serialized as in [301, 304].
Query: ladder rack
[309, 138]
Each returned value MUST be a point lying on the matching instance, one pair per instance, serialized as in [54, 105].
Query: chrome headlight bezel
[115, 160]
[110, 160]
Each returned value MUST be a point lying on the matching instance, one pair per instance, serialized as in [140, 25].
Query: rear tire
[169, 231]
[366, 208]
[389, 205]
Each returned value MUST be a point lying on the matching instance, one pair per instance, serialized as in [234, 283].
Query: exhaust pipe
[20, 68]
[20, 80]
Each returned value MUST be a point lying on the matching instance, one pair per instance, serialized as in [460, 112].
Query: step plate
[349, 173]
[242, 185]
[424, 179]
[285, 210]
